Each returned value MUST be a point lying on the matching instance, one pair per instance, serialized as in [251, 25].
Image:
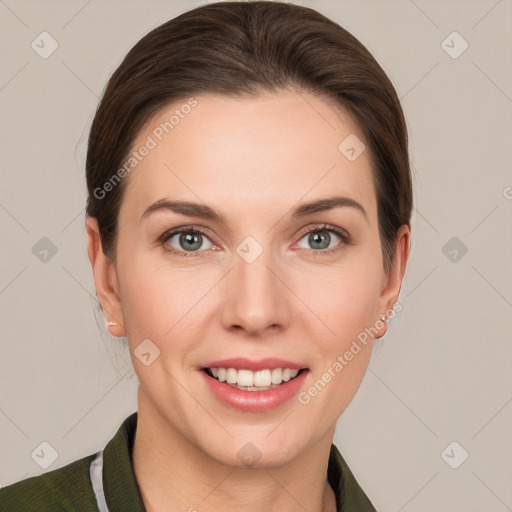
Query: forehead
[267, 152]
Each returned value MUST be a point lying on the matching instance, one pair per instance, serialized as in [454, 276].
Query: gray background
[443, 371]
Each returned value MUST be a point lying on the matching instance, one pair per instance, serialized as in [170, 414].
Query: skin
[252, 160]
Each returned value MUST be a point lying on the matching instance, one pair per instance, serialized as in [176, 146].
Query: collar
[117, 489]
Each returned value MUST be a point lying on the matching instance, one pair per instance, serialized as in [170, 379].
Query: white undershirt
[96, 474]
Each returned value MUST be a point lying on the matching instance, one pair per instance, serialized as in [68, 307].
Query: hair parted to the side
[244, 49]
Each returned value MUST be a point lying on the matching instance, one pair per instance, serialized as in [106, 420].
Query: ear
[392, 283]
[105, 279]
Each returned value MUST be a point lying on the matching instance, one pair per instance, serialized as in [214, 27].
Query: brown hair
[245, 48]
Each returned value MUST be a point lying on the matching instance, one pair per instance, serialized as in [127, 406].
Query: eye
[185, 240]
[320, 239]
[188, 241]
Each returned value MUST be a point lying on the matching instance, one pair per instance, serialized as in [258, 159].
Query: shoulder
[61, 490]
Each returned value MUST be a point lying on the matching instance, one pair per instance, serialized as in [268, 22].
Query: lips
[252, 399]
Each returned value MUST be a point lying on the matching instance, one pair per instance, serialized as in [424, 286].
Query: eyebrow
[205, 212]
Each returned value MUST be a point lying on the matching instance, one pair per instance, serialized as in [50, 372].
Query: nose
[256, 300]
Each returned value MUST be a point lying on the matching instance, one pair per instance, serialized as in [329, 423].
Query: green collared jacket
[105, 482]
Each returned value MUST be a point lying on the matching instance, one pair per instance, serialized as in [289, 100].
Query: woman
[248, 226]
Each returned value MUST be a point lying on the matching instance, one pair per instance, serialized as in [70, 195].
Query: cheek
[341, 300]
[344, 346]
[344, 305]
[162, 301]
[149, 296]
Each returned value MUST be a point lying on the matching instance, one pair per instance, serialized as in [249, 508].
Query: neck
[173, 474]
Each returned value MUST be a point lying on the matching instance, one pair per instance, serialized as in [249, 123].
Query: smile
[260, 396]
[248, 380]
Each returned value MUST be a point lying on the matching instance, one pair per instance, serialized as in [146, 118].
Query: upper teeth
[248, 378]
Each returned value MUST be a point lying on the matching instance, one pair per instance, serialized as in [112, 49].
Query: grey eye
[188, 241]
[320, 239]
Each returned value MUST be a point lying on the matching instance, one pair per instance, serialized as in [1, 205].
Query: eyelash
[345, 237]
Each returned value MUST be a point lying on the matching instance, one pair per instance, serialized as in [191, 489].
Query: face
[265, 278]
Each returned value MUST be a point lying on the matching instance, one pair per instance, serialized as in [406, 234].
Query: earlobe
[105, 280]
